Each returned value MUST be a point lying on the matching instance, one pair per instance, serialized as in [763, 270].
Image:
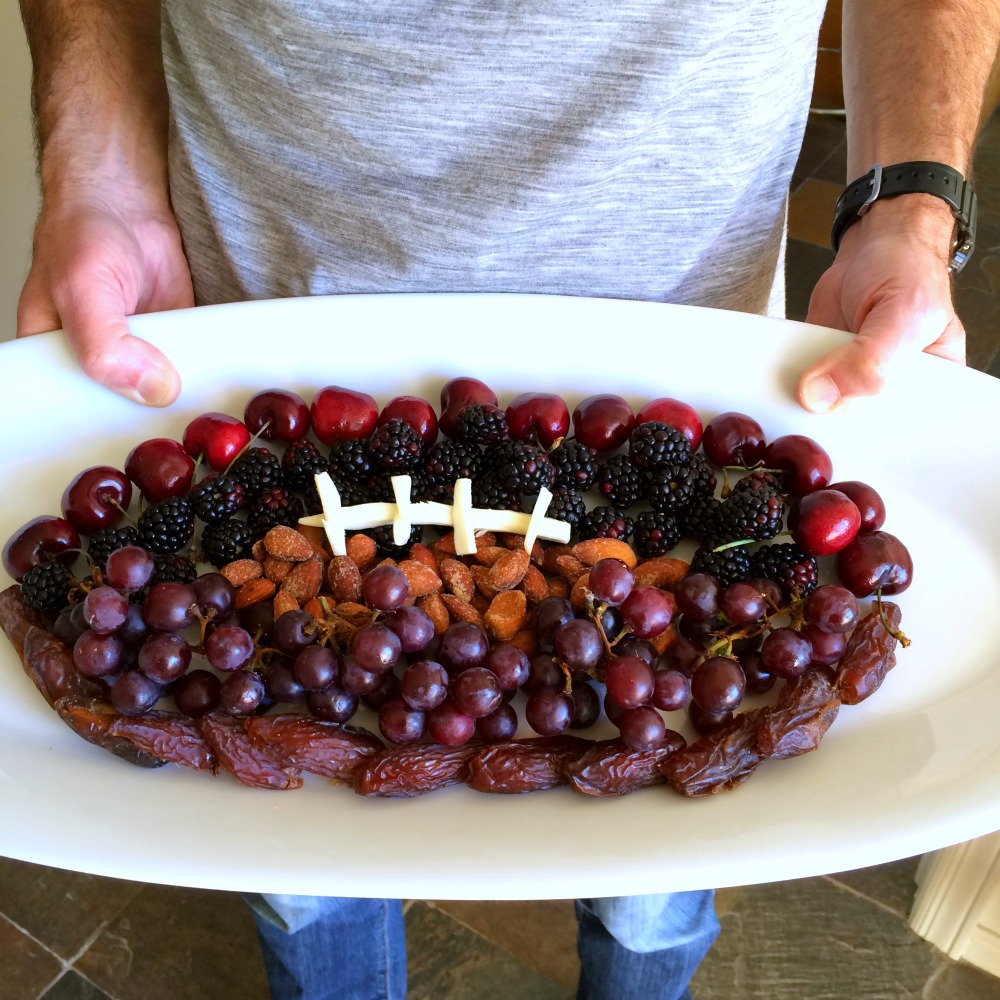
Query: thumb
[94, 323]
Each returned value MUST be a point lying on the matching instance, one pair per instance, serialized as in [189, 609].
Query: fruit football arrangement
[190, 608]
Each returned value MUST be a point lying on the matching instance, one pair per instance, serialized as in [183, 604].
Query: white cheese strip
[401, 523]
[462, 509]
[402, 515]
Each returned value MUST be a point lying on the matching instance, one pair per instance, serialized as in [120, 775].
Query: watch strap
[916, 177]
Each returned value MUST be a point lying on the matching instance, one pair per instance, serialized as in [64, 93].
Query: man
[636, 149]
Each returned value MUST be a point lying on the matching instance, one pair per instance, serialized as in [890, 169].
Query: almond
[461, 611]
[569, 568]
[421, 578]
[505, 615]
[663, 571]
[527, 641]
[423, 554]
[446, 543]
[481, 574]
[436, 611]
[283, 601]
[277, 569]
[304, 581]
[578, 596]
[595, 549]
[253, 592]
[661, 643]
[316, 537]
[457, 578]
[558, 588]
[488, 555]
[534, 585]
[258, 551]
[508, 571]
[552, 553]
[287, 543]
[343, 578]
[356, 613]
[363, 550]
[315, 607]
[242, 571]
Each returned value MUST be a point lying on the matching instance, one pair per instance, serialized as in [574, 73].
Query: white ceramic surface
[914, 769]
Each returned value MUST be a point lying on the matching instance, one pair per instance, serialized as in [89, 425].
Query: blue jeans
[332, 948]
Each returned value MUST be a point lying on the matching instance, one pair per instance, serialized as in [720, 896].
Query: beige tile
[447, 961]
[541, 934]
[810, 211]
[61, 909]
[178, 944]
[27, 967]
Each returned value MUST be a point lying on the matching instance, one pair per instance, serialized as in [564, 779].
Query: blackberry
[481, 424]
[489, 494]
[655, 534]
[167, 525]
[396, 446]
[226, 541]
[351, 493]
[672, 487]
[301, 463]
[169, 568]
[727, 566]
[352, 460]
[258, 469]
[450, 460]
[46, 586]
[102, 543]
[700, 519]
[604, 522]
[619, 481]
[519, 466]
[271, 508]
[654, 444]
[383, 539]
[756, 514]
[795, 572]
[566, 505]
[217, 498]
[758, 480]
[575, 464]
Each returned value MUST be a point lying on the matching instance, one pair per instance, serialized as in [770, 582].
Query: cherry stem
[114, 503]
[898, 634]
[248, 445]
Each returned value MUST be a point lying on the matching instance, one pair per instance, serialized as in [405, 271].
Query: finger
[96, 328]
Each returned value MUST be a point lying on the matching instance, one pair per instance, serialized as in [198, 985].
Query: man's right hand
[94, 263]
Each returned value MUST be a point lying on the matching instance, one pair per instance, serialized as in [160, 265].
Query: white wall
[18, 188]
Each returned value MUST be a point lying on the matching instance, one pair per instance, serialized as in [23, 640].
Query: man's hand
[96, 262]
[890, 287]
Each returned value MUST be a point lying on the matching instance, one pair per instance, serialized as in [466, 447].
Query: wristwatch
[918, 177]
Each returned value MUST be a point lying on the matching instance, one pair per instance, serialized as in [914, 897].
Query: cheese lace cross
[466, 520]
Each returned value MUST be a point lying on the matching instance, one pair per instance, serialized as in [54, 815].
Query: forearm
[98, 94]
[915, 76]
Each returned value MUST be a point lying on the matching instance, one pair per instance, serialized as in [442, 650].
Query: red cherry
[41, 539]
[216, 437]
[806, 466]
[417, 412]
[875, 560]
[675, 413]
[824, 521]
[456, 394]
[277, 415]
[340, 414]
[161, 468]
[603, 422]
[540, 416]
[868, 502]
[734, 439]
[96, 498]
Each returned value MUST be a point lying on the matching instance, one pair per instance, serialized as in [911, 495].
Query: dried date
[326, 748]
[525, 765]
[723, 759]
[93, 719]
[405, 772]
[609, 767]
[167, 736]
[247, 763]
[870, 654]
[805, 709]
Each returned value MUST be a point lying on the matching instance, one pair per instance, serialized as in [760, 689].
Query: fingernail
[820, 394]
[156, 387]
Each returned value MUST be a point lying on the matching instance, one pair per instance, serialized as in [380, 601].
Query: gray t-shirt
[639, 149]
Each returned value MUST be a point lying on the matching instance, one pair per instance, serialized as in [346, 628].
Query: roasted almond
[343, 579]
[663, 571]
[461, 611]
[457, 578]
[595, 549]
[253, 592]
[277, 569]
[423, 554]
[508, 571]
[569, 568]
[287, 543]
[534, 585]
[284, 601]
[363, 550]
[304, 581]
[242, 571]
[505, 615]
[420, 577]
[436, 611]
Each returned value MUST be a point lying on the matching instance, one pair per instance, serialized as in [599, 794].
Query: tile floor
[69, 936]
